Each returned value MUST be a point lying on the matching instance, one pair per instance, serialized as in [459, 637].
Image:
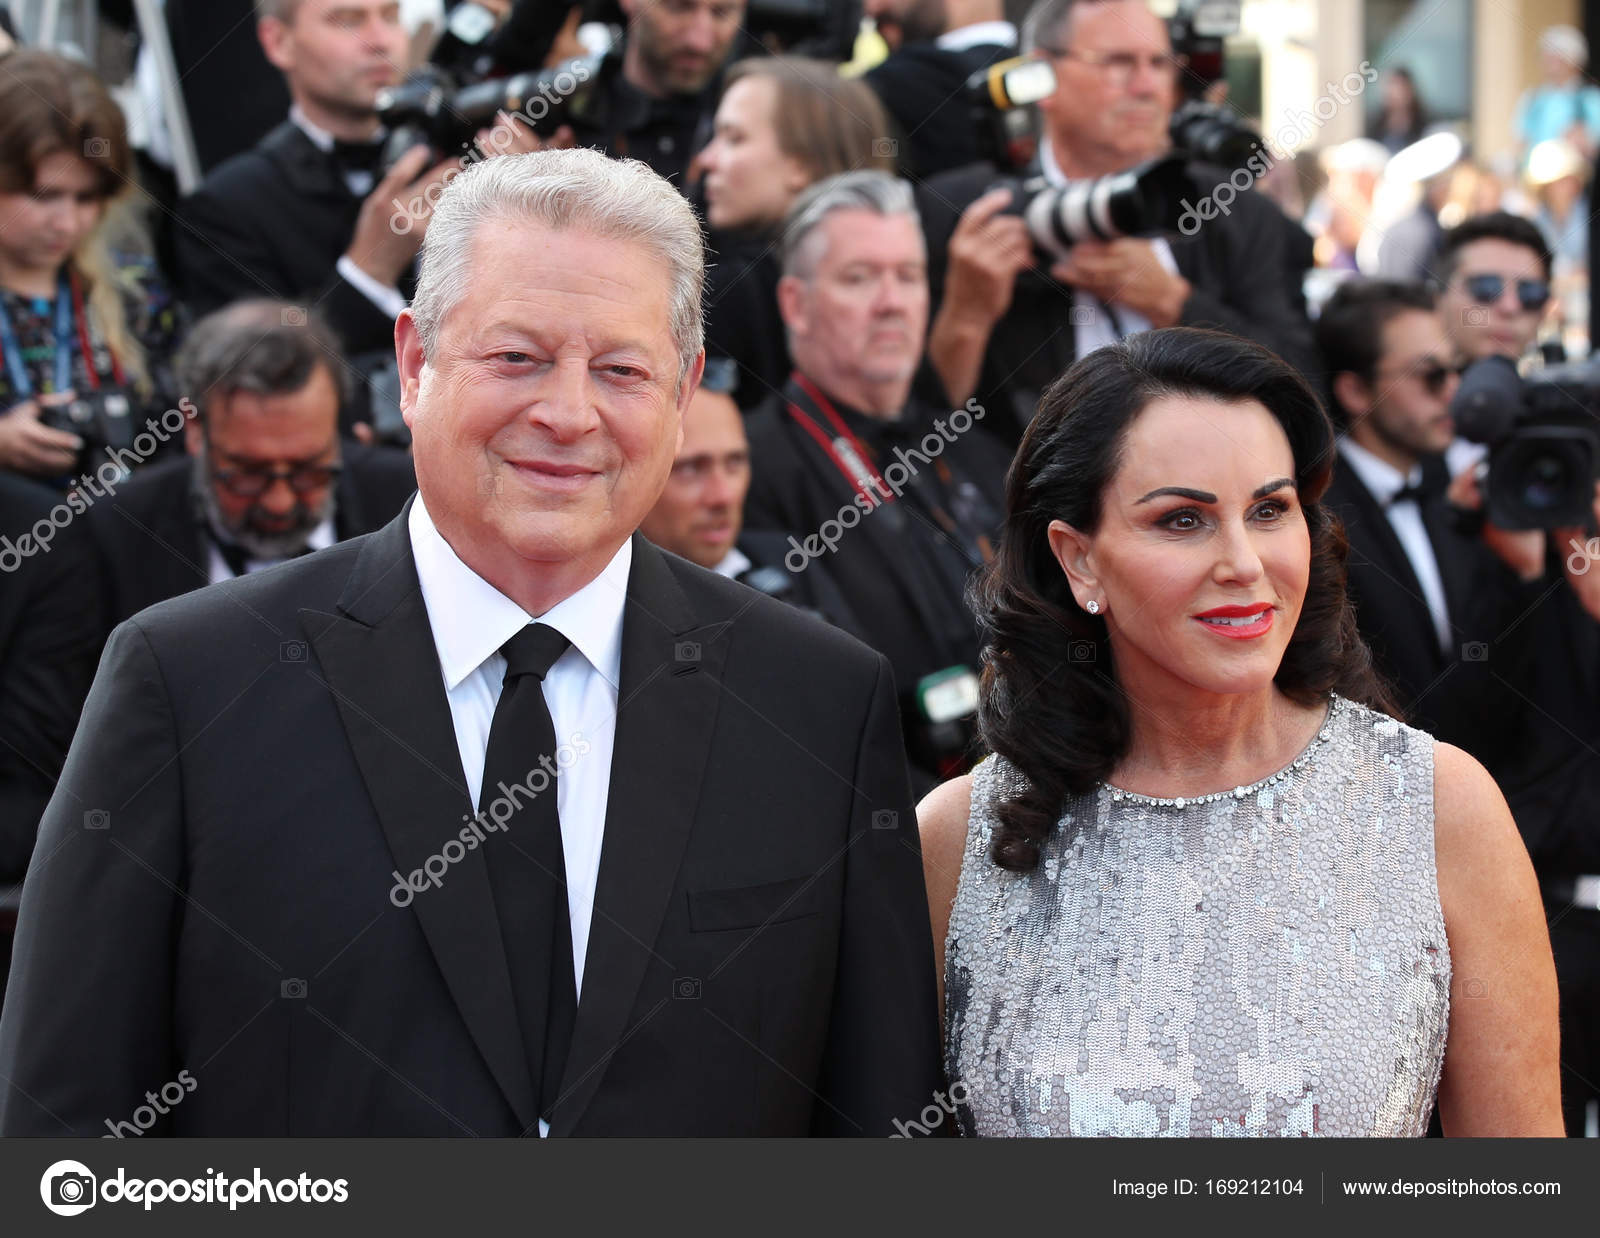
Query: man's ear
[273, 34]
[409, 360]
[1074, 552]
[1353, 394]
[194, 436]
[792, 303]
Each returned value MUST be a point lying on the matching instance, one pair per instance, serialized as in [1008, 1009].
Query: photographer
[898, 499]
[657, 89]
[80, 327]
[1493, 272]
[1007, 325]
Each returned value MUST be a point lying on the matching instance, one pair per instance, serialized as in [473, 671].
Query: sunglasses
[1487, 289]
[1432, 374]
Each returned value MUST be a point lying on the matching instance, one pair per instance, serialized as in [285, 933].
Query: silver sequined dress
[1268, 961]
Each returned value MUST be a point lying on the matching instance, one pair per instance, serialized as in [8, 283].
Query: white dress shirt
[1001, 33]
[1092, 327]
[733, 564]
[1384, 481]
[471, 619]
[217, 568]
[387, 298]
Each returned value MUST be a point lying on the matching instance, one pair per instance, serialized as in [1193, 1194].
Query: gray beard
[258, 546]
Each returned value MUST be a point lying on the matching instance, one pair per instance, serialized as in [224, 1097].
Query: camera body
[1146, 200]
[102, 418]
[68, 1190]
[1543, 435]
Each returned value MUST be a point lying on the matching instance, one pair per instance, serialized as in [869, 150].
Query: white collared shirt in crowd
[217, 569]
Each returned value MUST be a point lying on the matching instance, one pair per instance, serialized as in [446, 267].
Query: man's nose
[700, 35]
[565, 402]
[279, 497]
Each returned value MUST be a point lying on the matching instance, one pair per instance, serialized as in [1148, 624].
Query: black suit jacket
[50, 633]
[1461, 694]
[272, 222]
[922, 87]
[150, 548]
[272, 750]
[1236, 263]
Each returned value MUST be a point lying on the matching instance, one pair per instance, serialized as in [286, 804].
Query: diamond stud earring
[1093, 607]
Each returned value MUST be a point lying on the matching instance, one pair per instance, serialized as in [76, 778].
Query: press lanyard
[844, 449]
[69, 306]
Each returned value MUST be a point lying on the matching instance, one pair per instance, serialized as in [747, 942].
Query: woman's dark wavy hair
[1058, 715]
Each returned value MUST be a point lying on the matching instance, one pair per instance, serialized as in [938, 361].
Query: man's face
[246, 439]
[682, 43]
[339, 53]
[908, 21]
[546, 422]
[1482, 306]
[1412, 387]
[700, 512]
[1116, 84]
[864, 310]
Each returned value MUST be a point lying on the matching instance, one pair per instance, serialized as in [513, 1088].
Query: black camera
[823, 29]
[430, 109]
[1147, 200]
[102, 418]
[1543, 435]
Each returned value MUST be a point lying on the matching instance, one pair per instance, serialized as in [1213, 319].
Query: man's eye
[623, 371]
[515, 358]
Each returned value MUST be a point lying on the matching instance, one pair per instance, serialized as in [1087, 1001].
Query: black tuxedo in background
[273, 749]
[922, 87]
[1460, 696]
[272, 222]
[151, 546]
[50, 634]
[1236, 263]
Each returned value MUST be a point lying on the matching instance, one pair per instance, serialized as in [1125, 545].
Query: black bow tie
[358, 156]
[1419, 493]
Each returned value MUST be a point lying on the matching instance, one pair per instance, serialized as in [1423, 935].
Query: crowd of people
[1168, 548]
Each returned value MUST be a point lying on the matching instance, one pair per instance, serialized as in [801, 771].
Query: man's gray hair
[261, 346]
[618, 199]
[1045, 24]
[864, 190]
[283, 10]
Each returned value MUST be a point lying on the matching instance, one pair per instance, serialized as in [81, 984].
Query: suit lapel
[667, 702]
[383, 669]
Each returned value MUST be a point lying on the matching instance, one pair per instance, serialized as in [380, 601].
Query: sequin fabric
[1269, 962]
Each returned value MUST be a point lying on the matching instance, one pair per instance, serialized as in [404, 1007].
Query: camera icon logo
[294, 316]
[1475, 988]
[1081, 316]
[97, 819]
[885, 148]
[292, 651]
[1083, 651]
[885, 819]
[67, 1188]
[1475, 316]
[293, 989]
[1475, 651]
[96, 148]
[491, 484]
[686, 651]
[686, 989]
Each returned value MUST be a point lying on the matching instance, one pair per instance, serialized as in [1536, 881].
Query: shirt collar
[734, 564]
[1002, 33]
[320, 137]
[471, 619]
[1380, 477]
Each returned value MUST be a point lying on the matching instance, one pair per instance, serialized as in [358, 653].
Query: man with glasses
[1008, 322]
[1431, 600]
[1493, 272]
[267, 478]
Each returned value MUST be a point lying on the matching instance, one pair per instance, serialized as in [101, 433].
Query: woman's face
[1201, 559]
[750, 182]
[39, 230]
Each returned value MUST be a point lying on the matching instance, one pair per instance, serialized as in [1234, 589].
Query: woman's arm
[1501, 1069]
[942, 819]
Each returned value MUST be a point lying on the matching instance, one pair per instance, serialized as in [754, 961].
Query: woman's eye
[1181, 520]
[1272, 510]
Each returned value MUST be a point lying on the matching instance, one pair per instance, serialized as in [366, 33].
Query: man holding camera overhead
[1008, 322]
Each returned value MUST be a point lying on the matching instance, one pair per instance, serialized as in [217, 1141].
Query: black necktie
[358, 156]
[527, 870]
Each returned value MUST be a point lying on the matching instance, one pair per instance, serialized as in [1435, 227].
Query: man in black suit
[938, 45]
[306, 215]
[50, 634]
[1432, 601]
[1008, 322]
[898, 500]
[713, 923]
[266, 478]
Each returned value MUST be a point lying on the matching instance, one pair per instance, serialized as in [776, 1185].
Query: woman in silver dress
[1206, 884]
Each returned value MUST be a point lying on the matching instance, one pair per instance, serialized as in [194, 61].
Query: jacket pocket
[754, 906]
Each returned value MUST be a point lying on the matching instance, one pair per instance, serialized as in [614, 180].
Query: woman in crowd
[783, 123]
[1206, 885]
[80, 327]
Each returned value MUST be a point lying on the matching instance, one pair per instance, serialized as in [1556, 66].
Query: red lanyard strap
[870, 487]
[84, 342]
